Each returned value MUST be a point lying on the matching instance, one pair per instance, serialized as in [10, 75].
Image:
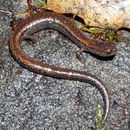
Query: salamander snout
[103, 48]
[111, 51]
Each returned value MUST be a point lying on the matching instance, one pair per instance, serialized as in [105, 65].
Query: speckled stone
[29, 101]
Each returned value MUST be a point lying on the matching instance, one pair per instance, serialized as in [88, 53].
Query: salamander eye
[108, 51]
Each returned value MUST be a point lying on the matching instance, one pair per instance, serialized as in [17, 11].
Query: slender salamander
[51, 20]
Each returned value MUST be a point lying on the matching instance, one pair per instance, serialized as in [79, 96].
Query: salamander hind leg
[30, 7]
[28, 37]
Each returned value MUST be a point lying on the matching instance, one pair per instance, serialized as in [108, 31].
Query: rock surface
[29, 101]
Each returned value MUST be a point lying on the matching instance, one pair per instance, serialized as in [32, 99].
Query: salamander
[62, 24]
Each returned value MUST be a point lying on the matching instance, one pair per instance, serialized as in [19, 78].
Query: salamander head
[102, 48]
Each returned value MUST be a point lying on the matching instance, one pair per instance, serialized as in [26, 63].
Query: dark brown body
[51, 20]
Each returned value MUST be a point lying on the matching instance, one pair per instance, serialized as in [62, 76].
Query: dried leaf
[114, 13]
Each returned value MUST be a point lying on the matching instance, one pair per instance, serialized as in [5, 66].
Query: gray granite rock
[29, 101]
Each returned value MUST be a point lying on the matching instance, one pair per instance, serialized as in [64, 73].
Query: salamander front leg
[78, 55]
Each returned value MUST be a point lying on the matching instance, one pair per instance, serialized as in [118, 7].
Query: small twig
[7, 12]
